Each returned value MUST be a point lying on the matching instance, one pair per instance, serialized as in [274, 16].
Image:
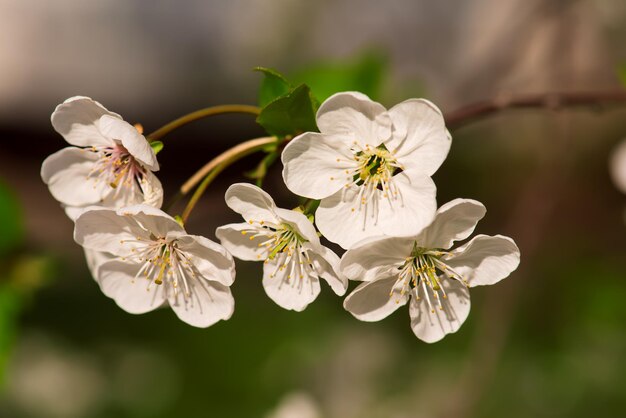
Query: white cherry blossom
[370, 166]
[424, 270]
[153, 261]
[109, 164]
[286, 241]
[618, 166]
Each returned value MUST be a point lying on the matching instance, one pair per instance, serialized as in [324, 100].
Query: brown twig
[479, 110]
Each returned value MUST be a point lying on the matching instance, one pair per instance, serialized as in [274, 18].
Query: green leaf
[364, 74]
[11, 222]
[261, 169]
[10, 307]
[157, 146]
[290, 114]
[273, 86]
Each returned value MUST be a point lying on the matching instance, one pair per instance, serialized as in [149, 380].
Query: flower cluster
[367, 177]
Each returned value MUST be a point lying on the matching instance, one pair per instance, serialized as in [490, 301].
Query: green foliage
[289, 105]
[157, 146]
[11, 222]
[259, 173]
[273, 86]
[364, 74]
[10, 306]
[621, 73]
[290, 114]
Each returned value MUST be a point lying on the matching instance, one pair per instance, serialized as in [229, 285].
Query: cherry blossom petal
[95, 259]
[210, 259]
[251, 202]
[415, 208]
[618, 166]
[149, 192]
[135, 295]
[209, 303]
[103, 229]
[326, 264]
[285, 286]
[355, 115]
[485, 259]
[342, 219]
[432, 326]
[131, 139]
[300, 223]
[240, 245]
[77, 120]
[151, 219]
[314, 165]
[68, 174]
[454, 221]
[375, 300]
[423, 142]
[365, 261]
[73, 212]
[152, 190]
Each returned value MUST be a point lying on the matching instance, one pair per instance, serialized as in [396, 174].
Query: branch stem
[479, 110]
[213, 168]
[199, 114]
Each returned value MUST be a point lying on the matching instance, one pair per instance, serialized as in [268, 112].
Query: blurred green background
[549, 341]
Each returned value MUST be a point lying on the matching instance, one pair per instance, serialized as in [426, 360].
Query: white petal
[152, 190]
[77, 120]
[134, 295]
[342, 218]
[618, 166]
[286, 288]
[485, 260]
[73, 212]
[210, 259]
[373, 301]
[210, 302]
[152, 219]
[300, 223]
[424, 142]
[414, 208]
[68, 174]
[251, 202]
[355, 115]
[103, 229]
[95, 259]
[326, 264]
[432, 326]
[149, 192]
[314, 165]
[131, 139]
[367, 260]
[240, 245]
[454, 221]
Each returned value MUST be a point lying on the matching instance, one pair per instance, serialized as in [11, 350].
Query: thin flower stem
[213, 168]
[310, 206]
[482, 109]
[199, 114]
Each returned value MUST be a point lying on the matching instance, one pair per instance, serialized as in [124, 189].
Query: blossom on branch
[424, 270]
[109, 164]
[154, 262]
[286, 241]
[370, 166]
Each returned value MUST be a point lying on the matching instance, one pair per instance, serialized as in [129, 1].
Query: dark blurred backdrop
[549, 341]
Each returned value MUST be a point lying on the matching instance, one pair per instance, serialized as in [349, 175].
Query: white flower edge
[113, 166]
[154, 262]
[338, 166]
[391, 275]
[617, 165]
[287, 243]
